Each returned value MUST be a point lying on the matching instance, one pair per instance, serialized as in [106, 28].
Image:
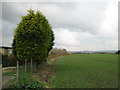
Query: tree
[33, 38]
[51, 43]
[118, 52]
[57, 51]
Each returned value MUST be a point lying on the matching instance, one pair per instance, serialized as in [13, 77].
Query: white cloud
[6, 41]
[72, 40]
[110, 24]
[64, 36]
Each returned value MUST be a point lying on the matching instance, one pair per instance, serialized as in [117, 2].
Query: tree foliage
[118, 52]
[33, 37]
[57, 51]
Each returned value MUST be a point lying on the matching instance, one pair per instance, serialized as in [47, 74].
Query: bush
[57, 51]
[26, 82]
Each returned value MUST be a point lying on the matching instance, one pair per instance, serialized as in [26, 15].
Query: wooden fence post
[31, 65]
[17, 70]
[25, 65]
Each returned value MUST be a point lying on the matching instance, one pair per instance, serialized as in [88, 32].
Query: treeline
[57, 51]
[94, 52]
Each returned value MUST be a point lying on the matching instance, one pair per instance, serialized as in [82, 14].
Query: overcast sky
[76, 25]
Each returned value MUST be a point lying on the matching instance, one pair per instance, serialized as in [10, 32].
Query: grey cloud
[82, 16]
[76, 26]
[7, 29]
[11, 12]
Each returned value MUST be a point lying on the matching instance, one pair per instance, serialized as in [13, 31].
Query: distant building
[6, 50]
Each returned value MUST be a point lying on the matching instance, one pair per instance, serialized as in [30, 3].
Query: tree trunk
[17, 70]
[34, 66]
[31, 65]
[25, 65]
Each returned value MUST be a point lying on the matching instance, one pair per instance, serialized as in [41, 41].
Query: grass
[25, 80]
[9, 72]
[13, 73]
[86, 71]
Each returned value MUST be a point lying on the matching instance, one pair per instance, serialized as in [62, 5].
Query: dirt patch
[46, 71]
[5, 80]
[7, 75]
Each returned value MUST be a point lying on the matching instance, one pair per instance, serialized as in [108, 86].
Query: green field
[86, 71]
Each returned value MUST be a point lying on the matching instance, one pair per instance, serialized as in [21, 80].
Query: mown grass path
[86, 71]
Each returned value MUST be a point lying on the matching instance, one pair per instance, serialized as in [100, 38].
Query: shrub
[26, 82]
[57, 51]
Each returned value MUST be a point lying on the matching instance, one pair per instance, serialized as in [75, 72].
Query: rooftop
[6, 47]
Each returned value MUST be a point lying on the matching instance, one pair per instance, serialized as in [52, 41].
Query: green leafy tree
[33, 38]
